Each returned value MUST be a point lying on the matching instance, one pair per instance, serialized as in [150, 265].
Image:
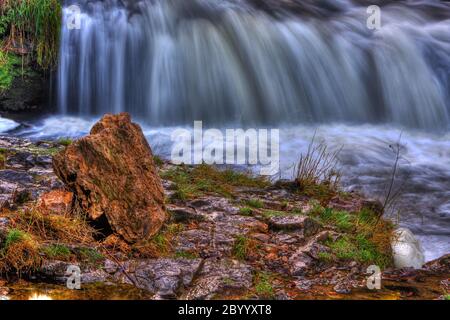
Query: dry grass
[20, 252]
[317, 172]
[63, 228]
[161, 245]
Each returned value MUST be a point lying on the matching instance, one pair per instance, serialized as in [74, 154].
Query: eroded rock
[112, 174]
[218, 277]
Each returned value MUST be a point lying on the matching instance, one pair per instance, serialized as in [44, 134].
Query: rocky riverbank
[226, 234]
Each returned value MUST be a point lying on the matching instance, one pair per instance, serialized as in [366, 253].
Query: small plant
[243, 247]
[325, 256]
[65, 142]
[255, 203]
[186, 255]
[91, 255]
[263, 286]
[57, 251]
[317, 171]
[14, 236]
[246, 211]
[19, 253]
[193, 182]
[158, 161]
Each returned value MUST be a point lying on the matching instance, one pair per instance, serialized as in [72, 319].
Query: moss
[65, 142]
[325, 256]
[359, 248]
[57, 251]
[243, 247]
[186, 255]
[8, 70]
[254, 203]
[193, 182]
[246, 211]
[263, 286]
[90, 255]
[275, 213]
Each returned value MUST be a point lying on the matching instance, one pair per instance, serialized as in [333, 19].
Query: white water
[366, 160]
[7, 125]
[170, 62]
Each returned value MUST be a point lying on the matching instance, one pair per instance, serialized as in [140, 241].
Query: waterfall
[170, 62]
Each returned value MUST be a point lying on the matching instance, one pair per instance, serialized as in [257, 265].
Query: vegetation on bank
[29, 36]
[192, 182]
[32, 26]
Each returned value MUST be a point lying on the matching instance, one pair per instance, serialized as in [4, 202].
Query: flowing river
[304, 67]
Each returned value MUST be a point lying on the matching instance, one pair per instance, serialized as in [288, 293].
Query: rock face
[112, 174]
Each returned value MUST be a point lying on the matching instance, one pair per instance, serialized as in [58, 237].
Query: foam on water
[7, 125]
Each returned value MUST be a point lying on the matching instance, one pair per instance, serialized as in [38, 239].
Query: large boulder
[112, 174]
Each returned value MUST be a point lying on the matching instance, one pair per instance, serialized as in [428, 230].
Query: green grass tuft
[263, 286]
[57, 251]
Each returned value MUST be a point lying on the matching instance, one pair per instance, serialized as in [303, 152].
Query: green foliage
[255, 203]
[241, 247]
[90, 255]
[65, 141]
[158, 161]
[192, 182]
[8, 69]
[245, 211]
[263, 286]
[14, 236]
[57, 251]
[33, 23]
[186, 255]
[359, 248]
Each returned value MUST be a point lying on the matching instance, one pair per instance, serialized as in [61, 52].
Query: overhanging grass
[32, 24]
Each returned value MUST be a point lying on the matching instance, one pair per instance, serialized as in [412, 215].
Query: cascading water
[170, 62]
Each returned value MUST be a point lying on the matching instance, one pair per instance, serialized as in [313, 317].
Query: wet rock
[113, 175]
[295, 222]
[60, 271]
[220, 277]
[441, 264]
[303, 260]
[55, 202]
[163, 277]
[184, 214]
[13, 176]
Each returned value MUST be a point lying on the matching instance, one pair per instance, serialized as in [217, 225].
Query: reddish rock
[55, 202]
[112, 174]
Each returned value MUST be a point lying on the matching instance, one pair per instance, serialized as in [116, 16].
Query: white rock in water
[407, 250]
